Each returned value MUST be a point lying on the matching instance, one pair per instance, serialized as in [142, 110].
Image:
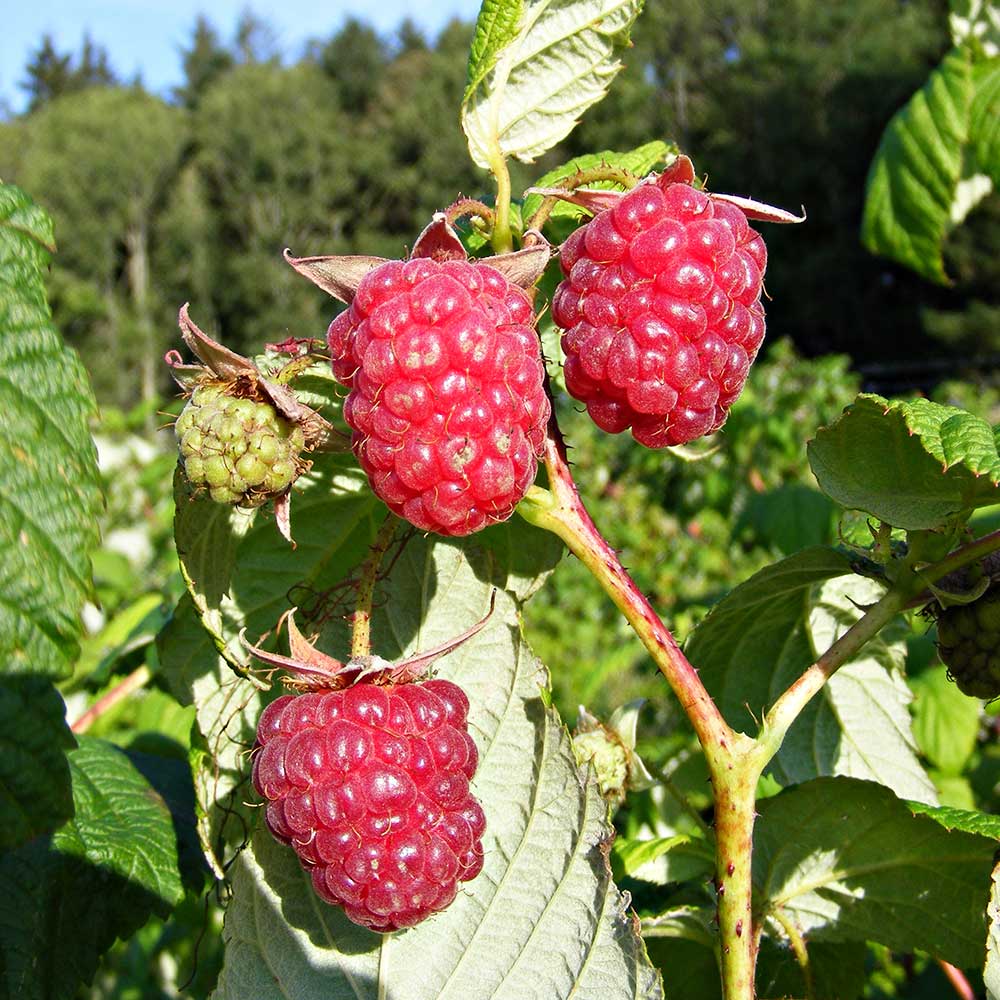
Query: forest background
[348, 147]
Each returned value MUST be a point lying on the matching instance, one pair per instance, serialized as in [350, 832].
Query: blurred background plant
[349, 146]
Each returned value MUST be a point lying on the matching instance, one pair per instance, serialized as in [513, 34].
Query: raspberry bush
[387, 796]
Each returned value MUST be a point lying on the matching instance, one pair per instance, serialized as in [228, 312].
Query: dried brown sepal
[681, 171]
[340, 276]
[439, 241]
[244, 380]
[225, 364]
[309, 669]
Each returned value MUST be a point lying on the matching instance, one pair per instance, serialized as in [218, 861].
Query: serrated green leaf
[963, 820]
[242, 574]
[529, 86]
[984, 118]
[845, 860]
[35, 794]
[913, 464]
[227, 708]
[50, 493]
[945, 721]
[767, 631]
[991, 973]
[912, 180]
[496, 28]
[640, 162]
[97, 878]
[938, 158]
[170, 778]
[542, 920]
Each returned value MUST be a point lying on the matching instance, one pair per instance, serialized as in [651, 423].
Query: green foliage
[914, 465]
[721, 518]
[49, 501]
[846, 860]
[938, 158]
[95, 879]
[547, 890]
[536, 66]
[346, 150]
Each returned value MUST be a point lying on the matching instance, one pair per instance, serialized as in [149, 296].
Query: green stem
[734, 784]
[800, 692]
[899, 597]
[734, 760]
[139, 678]
[798, 944]
[503, 241]
[361, 623]
[970, 552]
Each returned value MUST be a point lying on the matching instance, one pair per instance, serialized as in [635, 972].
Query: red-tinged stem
[957, 978]
[734, 759]
[361, 623]
[469, 207]
[616, 175]
[135, 680]
[561, 511]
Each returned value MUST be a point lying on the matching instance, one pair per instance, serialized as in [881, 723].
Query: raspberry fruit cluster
[969, 644]
[661, 311]
[370, 786]
[241, 450]
[446, 400]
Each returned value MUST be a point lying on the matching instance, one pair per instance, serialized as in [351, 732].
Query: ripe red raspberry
[370, 786]
[446, 399]
[661, 311]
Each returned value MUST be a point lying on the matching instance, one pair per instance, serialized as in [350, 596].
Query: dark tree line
[351, 146]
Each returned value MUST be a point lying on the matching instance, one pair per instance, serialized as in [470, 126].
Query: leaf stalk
[361, 622]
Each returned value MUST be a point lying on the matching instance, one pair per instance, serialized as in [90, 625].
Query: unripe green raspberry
[969, 645]
[241, 450]
[609, 757]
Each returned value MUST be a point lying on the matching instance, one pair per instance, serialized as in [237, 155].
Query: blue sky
[146, 35]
